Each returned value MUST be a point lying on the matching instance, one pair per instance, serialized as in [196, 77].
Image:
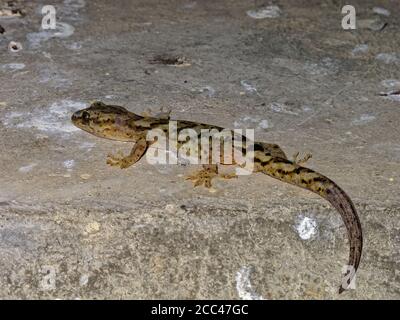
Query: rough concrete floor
[72, 227]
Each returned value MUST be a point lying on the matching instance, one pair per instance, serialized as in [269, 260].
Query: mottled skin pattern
[117, 123]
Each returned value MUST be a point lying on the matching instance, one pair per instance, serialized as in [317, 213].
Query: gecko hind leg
[205, 176]
[303, 160]
[114, 160]
[124, 162]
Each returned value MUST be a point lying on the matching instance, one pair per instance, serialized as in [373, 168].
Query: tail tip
[341, 289]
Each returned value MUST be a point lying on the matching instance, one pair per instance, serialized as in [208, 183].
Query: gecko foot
[307, 157]
[204, 176]
[118, 160]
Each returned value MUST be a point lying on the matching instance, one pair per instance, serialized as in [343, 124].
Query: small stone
[212, 190]
[85, 176]
[92, 227]
[170, 208]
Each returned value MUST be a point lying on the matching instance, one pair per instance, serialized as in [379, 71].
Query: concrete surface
[72, 227]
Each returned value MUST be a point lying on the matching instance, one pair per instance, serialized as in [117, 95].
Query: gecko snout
[75, 116]
[81, 116]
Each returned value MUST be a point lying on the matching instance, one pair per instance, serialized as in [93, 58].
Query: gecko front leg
[303, 160]
[163, 113]
[137, 152]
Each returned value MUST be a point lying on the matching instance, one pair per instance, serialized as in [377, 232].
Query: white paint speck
[391, 83]
[47, 55]
[266, 12]
[281, 108]
[325, 67]
[360, 49]
[76, 4]
[26, 169]
[248, 87]
[363, 119]
[88, 146]
[63, 30]
[190, 5]
[74, 46]
[56, 119]
[252, 122]
[83, 280]
[69, 164]
[244, 287]
[306, 228]
[381, 11]
[306, 108]
[36, 38]
[388, 58]
[13, 66]
[10, 118]
[208, 91]
[264, 124]
[54, 76]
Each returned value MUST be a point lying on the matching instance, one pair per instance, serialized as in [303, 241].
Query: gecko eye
[85, 116]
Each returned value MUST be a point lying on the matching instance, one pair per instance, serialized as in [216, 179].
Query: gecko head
[102, 120]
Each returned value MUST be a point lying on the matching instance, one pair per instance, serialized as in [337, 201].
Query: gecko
[117, 123]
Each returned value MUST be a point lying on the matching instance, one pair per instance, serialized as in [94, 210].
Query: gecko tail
[343, 204]
[287, 171]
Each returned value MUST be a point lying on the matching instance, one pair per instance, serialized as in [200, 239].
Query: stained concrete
[72, 227]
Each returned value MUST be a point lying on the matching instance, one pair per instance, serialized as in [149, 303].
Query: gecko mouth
[74, 117]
